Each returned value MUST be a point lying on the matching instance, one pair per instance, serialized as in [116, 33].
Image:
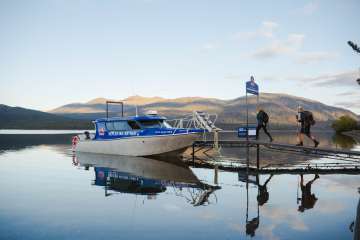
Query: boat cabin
[129, 126]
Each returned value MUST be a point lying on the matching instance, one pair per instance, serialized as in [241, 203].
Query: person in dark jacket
[305, 119]
[262, 120]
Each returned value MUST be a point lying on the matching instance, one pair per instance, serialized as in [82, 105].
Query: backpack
[265, 117]
[309, 118]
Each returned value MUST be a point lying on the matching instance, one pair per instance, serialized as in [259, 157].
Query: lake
[47, 192]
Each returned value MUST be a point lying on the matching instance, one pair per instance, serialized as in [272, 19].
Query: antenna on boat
[136, 110]
[115, 102]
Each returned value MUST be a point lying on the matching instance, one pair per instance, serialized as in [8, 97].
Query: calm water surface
[48, 193]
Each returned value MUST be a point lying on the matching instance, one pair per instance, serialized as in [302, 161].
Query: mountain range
[281, 108]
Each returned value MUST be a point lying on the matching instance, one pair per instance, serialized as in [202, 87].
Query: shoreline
[355, 134]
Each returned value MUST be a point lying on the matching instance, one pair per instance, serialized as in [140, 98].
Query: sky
[55, 52]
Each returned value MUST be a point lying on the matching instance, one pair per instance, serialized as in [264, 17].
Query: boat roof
[133, 118]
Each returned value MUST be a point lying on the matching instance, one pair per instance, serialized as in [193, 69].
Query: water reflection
[15, 142]
[263, 194]
[145, 176]
[305, 202]
[307, 199]
[355, 225]
[343, 141]
[262, 198]
[261, 206]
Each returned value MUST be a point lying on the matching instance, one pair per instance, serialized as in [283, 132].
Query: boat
[146, 135]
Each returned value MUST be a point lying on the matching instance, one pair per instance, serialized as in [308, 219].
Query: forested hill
[22, 118]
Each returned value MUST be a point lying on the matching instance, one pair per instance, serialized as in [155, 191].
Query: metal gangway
[201, 120]
[197, 119]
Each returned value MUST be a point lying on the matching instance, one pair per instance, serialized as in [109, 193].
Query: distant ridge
[97, 101]
[281, 108]
[22, 118]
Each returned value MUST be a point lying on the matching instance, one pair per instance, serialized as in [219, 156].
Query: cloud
[171, 208]
[266, 30]
[295, 40]
[310, 8]
[291, 46]
[268, 232]
[261, 78]
[349, 93]
[236, 227]
[276, 48]
[208, 215]
[346, 78]
[234, 77]
[340, 185]
[279, 216]
[330, 207]
[313, 57]
[270, 51]
[349, 104]
[209, 46]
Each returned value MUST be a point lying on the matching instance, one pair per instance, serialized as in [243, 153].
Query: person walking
[306, 120]
[262, 120]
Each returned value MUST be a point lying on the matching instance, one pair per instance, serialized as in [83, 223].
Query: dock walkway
[349, 160]
[281, 147]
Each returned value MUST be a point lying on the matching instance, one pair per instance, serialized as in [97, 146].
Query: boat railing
[198, 120]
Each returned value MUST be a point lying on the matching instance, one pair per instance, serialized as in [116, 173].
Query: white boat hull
[138, 146]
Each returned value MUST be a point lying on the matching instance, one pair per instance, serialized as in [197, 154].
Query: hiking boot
[316, 143]
[299, 144]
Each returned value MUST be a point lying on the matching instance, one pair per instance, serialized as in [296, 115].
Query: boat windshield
[134, 125]
[154, 124]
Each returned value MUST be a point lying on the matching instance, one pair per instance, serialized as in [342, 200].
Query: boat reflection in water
[145, 176]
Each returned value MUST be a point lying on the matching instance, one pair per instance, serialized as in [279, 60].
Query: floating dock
[346, 161]
[322, 152]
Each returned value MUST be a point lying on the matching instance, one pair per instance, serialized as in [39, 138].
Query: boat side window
[154, 124]
[118, 126]
[134, 125]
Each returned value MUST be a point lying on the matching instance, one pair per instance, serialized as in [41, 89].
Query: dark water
[47, 193]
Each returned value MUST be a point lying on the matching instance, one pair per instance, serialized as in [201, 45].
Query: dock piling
[257, 156]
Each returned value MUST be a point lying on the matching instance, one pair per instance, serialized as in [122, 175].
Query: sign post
[251, 88]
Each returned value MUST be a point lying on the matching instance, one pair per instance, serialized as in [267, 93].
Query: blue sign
[242, 131]
[252, 87]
